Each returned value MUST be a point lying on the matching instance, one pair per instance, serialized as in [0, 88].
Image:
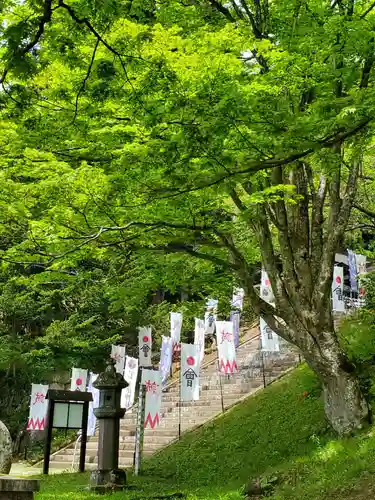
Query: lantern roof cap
[110, 379]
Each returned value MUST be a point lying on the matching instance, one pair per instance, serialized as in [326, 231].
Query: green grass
[280, 433]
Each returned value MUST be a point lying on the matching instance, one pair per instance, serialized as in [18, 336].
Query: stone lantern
[108, 476]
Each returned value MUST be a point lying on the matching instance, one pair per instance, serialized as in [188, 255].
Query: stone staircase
[255, 369]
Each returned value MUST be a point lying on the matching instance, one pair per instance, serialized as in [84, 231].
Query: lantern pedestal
[108, 477]
[103, 481]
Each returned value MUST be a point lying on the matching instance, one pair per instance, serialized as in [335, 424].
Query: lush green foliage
[133, 131]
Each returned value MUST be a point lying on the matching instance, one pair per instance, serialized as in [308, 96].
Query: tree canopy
[177, 144]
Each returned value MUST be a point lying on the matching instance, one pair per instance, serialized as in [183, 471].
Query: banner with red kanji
[78, 381]
[38, 408]
[226, 348]
[151, 379]
[145, 345]
[189, 372]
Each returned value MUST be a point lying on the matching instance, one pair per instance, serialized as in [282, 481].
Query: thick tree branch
[257, 166]
[339, 216]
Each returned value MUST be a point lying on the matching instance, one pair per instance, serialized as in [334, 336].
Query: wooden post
[47, 444]
[85, 417]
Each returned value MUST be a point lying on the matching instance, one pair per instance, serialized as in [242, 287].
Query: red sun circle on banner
[338, 280]
[190, 361]
[79, 381]
[268, 282]
[145, 338]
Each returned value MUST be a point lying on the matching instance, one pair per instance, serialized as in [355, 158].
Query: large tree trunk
[345, 405]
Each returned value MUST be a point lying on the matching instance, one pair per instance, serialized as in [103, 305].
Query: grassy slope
[278, 426]
[280, 432]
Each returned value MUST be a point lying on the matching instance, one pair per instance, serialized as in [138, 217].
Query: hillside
[279, 435]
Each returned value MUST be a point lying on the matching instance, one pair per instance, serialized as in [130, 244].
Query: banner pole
[221, 385]
[139, 429]
[179, 406]
[263, 368]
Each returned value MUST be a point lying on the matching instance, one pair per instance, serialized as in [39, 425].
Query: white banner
[189, 378]
[38, 408]
[165, 359]
[210, 316]
[176, 325]
[199, 336]
[130, 375]
[361, 262]
[266, 292]
[237, 298]
[78, 381]
[91, 423]
[145, 345]
[235, 318]
[269, 339]
[151, 379]
[118, 354]
[225, 347]
[338, 303]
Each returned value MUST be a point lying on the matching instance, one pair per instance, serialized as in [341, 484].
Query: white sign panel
[165, 358]
[176, 325]
[226, 348]
[266, 292]
[145, 345]
[338, 303]
[210, 316]
[78, 381]
[269, 339]
[91, 423]
[118, 354]
[151, 379]
[38, 408]
[130, 375]
[199, 336]
[68, 415]
[237, 299]
[189, 372]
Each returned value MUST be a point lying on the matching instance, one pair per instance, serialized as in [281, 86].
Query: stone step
[150, 441]
[213, 388]
[68, 457]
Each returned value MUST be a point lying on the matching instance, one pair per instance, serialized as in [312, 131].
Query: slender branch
[180, 247]
[91, 28]
[364, 210]
[367, 11]
[82, 88]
